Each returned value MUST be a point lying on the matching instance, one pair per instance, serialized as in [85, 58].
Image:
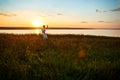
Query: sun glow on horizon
[37, 22]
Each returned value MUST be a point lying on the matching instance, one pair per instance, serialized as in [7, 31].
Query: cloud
[84, 22]
[7, 14]
[49, 14]
[101, 11]
[101, 21]
[59, 14]
[104, 11]
[117, 9]
[104, 21]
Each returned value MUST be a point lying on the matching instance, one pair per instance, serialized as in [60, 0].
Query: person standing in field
[43, 32]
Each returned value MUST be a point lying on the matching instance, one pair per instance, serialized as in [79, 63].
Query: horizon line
[27, 28]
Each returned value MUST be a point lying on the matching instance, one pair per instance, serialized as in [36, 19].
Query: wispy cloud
[50, 15]
[7, 14]
[104, 11]
[117, 9]
[84, 22]
[101, 21]
[105, 21]
[100, 11]
[59, 14]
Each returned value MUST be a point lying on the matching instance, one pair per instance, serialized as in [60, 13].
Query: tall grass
[60, 57]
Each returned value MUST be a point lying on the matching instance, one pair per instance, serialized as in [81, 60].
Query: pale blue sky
[65, 5]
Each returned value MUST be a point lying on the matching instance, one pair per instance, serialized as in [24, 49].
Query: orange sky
[27, 20]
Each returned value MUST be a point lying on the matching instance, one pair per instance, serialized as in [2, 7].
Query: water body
[96, 32]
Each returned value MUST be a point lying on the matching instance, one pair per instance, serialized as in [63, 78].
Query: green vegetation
[61, 57]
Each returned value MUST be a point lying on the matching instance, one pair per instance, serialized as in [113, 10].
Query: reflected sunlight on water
[37, 31]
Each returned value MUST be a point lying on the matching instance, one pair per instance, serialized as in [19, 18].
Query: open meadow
[60, 57]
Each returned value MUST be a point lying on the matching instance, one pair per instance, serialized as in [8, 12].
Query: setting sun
[37, 23]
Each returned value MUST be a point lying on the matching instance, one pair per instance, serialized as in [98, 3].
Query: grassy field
[60, 57]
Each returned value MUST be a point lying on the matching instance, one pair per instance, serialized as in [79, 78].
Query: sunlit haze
[37, 22]
[60, 13]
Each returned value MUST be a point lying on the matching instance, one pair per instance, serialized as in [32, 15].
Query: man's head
[43, 26]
